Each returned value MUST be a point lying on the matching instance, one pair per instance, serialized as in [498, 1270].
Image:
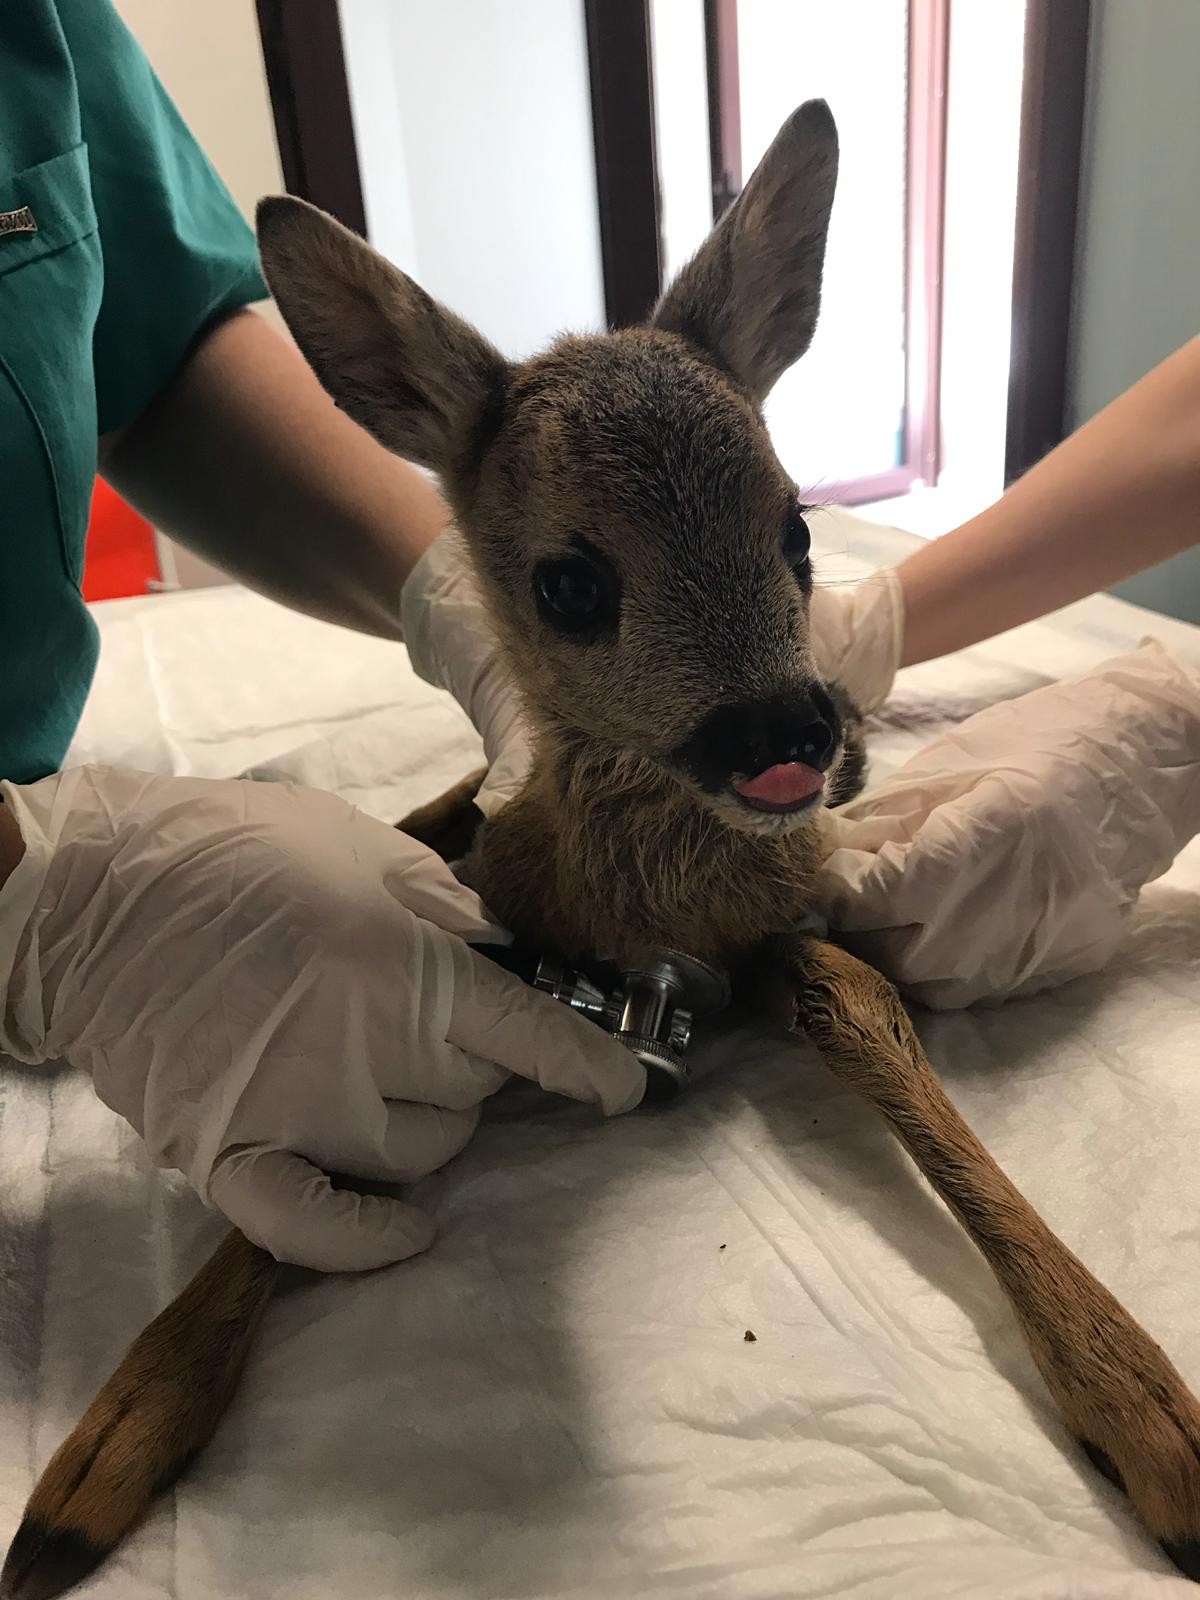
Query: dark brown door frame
[1052, 125]
[928, 66]
[622, 85]
[310, 98]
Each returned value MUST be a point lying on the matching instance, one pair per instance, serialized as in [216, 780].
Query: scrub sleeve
[119, 246]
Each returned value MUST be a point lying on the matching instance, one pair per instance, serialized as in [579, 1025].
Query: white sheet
[569, 1407]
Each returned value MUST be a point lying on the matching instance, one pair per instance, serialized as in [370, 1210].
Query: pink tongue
[783, 785]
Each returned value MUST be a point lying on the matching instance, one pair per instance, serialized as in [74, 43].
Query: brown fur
[647, 451]
[603, 858]
[154, 1414]
[449, 824]
[1121, 1397]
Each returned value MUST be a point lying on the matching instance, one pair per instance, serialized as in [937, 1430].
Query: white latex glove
[452, 646]
[270, 986]
[857, 633]
[857, 636]
[1007, 856]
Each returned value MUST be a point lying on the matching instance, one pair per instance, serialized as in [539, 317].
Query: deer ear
[414, 375]
[751, 294]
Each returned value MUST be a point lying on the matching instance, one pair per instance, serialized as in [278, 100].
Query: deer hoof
[1157, 1465]
[1185, 1553]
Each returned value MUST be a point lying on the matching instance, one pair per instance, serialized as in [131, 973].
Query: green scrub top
[119, 246]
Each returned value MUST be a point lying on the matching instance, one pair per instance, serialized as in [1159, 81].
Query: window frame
[928, 70]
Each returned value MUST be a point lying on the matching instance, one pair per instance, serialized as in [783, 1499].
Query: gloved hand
[857, 633]
[452, 646]
[1007, 856]
[270, 986]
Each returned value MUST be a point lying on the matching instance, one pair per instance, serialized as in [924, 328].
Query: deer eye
[572, 595]
[796, 539]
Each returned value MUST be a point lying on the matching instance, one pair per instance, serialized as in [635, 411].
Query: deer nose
[751, 737]
[805, 728]
[813, 743]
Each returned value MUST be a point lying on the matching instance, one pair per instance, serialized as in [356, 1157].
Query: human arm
[1120, 495]
[244, 458]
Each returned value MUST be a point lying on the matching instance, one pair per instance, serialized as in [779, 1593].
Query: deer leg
[150, 1419]
[448, 825]
[1124, 1402]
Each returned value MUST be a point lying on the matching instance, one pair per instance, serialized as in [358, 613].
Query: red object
[121, 558]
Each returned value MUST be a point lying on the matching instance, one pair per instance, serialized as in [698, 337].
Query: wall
[473, 124]
[1137, 272]
[210, 61]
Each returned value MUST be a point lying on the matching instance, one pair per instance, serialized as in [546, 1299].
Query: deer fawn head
[642, 550]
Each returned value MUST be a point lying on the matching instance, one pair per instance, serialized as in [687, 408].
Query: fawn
[645, 563]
